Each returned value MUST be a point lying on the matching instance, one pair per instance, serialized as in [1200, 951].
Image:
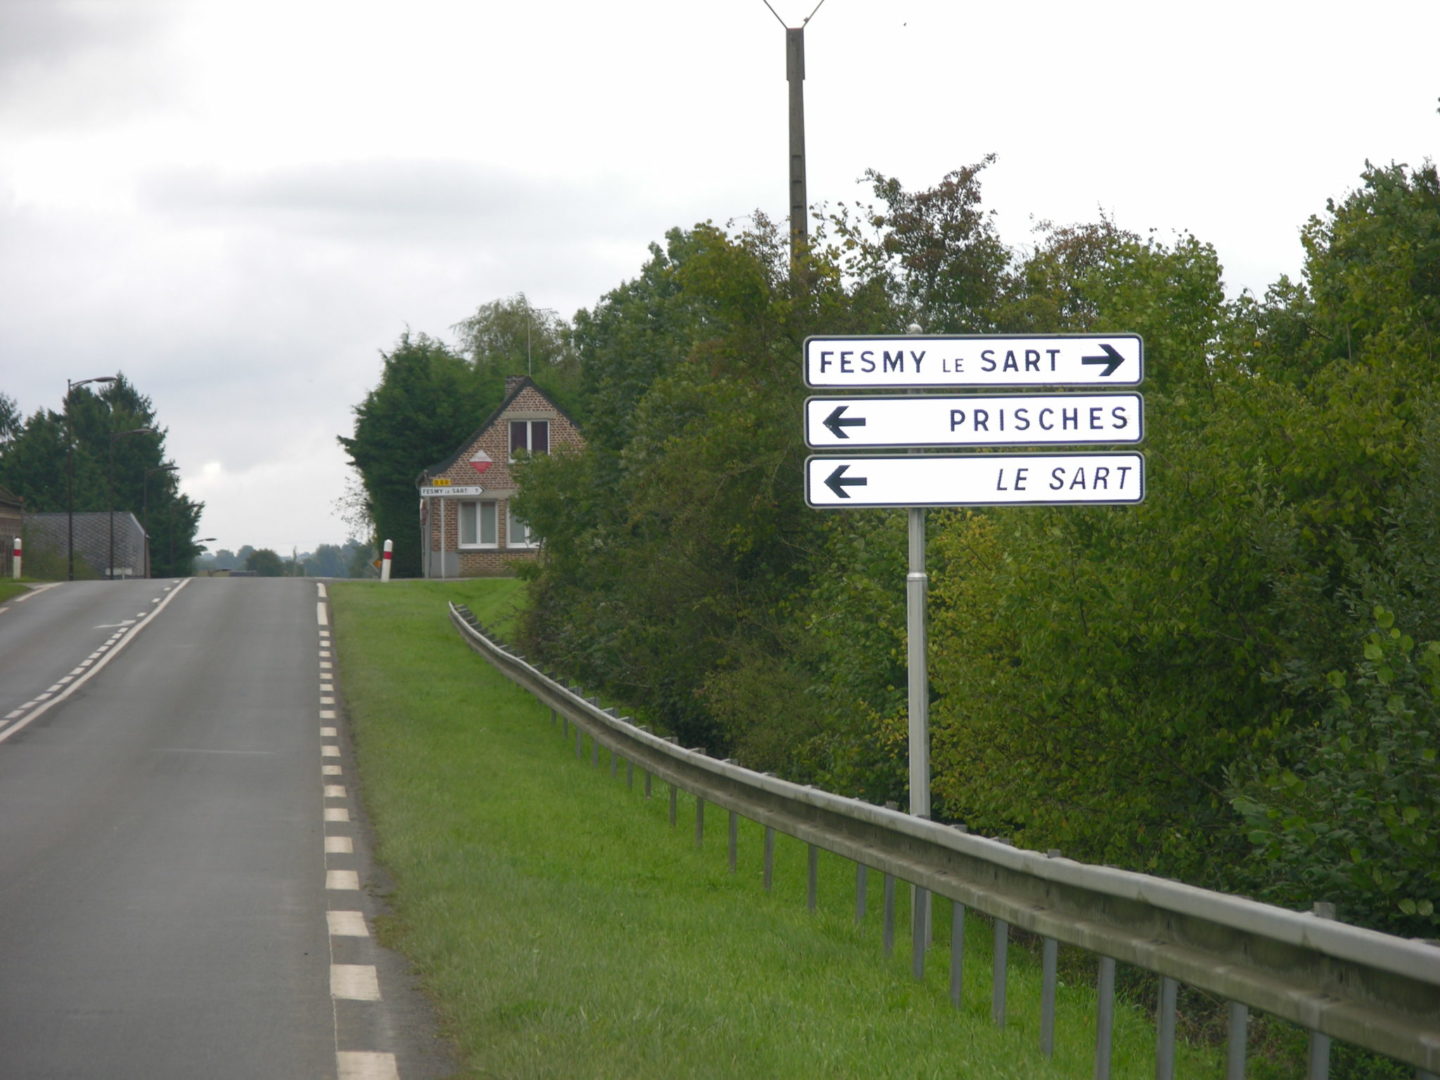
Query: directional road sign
[975, 420]
[913, 480]
[452, 491]
[974, 360]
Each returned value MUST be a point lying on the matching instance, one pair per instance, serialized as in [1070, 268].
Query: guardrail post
[1001, 972]
[1104, 1017]
[1318, 1065]
[734, 839]
[1237, 1025]
[1049, 962]
[769, 857]
[699, 821]
[957, 952]
[1165, 1029]
[862, 885]
[919, 931]
[889, 932]
[812, 874]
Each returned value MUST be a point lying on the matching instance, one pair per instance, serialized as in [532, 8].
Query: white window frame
[473, 507]
[517, 533]
[529, 422]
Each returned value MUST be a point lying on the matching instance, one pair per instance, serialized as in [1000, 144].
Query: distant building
[473, 533]
[47, 539]
[12, 523]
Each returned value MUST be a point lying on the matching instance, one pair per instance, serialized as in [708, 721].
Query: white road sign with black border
[974, 361]
[917, 480]
[976, 420]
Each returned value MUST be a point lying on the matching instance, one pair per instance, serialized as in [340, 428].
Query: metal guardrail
[1373, 990]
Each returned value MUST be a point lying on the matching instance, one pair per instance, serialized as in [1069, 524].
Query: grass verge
[565, 929]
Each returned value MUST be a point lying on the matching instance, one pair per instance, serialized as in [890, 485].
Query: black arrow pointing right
[837, 482]
[1112, 359]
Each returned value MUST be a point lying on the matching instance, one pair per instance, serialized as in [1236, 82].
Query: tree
[10, 422]
[935, 252]
[328, 560]
[427, 401]
[513, 337]
[675, 545]
[265, 563]
[108, 449]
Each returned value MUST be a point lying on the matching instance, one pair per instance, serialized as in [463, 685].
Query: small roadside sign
[974, 360]
[918, 480]
[975, 420]
[452, 491]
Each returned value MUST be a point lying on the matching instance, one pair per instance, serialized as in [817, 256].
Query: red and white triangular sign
[480, 462]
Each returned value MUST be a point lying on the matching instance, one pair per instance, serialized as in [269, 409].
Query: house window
[477, 524]
[532, 436]
[518, 534]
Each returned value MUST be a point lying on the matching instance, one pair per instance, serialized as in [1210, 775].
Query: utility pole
[795, 76]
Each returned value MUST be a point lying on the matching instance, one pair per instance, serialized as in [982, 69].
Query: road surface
[181, 860]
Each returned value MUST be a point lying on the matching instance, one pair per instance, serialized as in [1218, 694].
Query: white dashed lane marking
[350, 982]
[354, 982]
[347, 923]
[355, 1065]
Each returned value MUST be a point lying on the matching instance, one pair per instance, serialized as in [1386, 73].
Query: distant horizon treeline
[353, 559]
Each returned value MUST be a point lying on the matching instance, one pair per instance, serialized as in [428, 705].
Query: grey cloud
[391, 198]
[72, 63]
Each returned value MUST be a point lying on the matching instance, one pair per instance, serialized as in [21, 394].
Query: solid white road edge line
[124, 639]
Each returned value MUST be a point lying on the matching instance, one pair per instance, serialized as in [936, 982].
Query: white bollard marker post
[15, 565]
[385, 561]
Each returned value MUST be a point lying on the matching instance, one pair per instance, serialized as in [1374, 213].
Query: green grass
[566, 930]
[11, 589]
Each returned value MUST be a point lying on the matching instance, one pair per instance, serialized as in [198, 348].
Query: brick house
[472, 533]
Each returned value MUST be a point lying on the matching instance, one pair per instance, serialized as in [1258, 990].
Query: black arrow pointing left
[837, 481]
[837, 421]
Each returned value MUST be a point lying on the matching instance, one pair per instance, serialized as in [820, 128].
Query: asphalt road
[180, 865]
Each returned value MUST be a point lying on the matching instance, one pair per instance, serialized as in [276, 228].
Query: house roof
[515, 385]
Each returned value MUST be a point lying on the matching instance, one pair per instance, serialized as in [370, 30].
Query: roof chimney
[512, 383]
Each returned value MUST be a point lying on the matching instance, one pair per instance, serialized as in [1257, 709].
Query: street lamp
[70, 469]
[198, 543]
[145, 506]
[110, 483]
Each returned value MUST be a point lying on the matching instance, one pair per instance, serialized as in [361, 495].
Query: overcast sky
[240, 206]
